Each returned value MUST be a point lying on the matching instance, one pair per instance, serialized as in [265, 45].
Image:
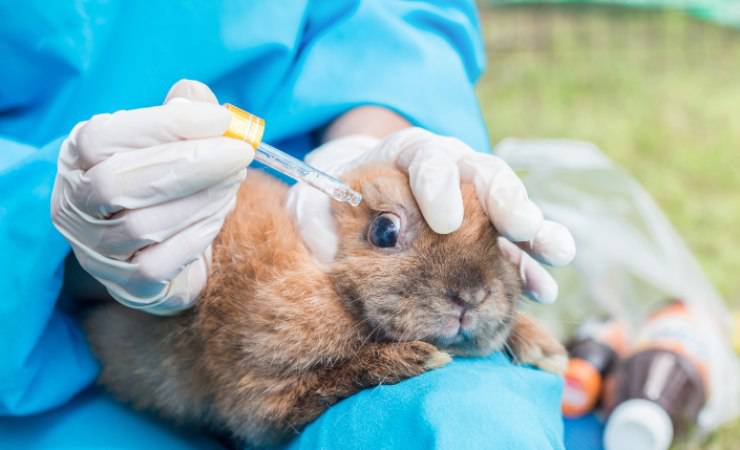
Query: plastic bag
[630, 259]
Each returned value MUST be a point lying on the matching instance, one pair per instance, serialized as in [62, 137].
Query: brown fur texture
[277, 337]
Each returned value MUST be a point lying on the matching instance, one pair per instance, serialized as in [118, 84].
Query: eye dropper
[250, 128]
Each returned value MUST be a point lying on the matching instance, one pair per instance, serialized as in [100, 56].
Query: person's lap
[93, 420]
[485, 403]
[474, 403]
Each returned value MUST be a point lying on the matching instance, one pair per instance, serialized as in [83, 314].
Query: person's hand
[141, 194]
[436, 166]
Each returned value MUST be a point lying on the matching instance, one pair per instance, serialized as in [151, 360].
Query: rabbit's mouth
[469, 336]
[462, 321]
[474, 329]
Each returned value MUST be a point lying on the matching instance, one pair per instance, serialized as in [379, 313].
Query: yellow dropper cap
[245, 126]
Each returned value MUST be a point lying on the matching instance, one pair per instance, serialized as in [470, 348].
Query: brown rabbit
[277, 337]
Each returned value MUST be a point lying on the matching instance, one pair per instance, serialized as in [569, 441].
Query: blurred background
[656, 88]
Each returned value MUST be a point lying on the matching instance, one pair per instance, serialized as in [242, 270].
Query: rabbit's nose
[468, 297]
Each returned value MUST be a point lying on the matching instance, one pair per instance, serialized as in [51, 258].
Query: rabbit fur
[277, 337]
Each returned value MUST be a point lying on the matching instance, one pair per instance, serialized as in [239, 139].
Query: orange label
[582, 388]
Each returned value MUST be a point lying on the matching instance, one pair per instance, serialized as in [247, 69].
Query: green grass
[657, 91]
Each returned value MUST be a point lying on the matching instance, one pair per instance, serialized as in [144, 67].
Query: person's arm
[45, 358]
[372, 121]
[418, 59]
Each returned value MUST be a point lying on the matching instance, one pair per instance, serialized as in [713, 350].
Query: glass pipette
[250, 128]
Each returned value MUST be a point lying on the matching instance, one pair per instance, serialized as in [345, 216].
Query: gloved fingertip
[539, 285]
[442, 210]
[435, 183]
[545, 297]
[444, 223]
[177, 101]
[541, 288]
[519, 222]
[185, 118]
[311, 210]
[532, 296]
[238, 153]
[509, 250]
[554, 244]
[568, 250]
[191, 90]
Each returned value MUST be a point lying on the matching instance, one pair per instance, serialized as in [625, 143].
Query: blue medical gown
[296, 63]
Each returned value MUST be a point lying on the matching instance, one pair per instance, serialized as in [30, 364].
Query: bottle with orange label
[593, 353]
[659, 390]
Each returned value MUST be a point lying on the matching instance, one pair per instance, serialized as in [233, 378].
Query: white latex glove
[141, 194]
[436, 166]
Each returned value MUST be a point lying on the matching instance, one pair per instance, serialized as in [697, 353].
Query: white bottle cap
[638, 425]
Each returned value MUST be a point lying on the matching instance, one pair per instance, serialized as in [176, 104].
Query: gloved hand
[141, 194]
[436, 166]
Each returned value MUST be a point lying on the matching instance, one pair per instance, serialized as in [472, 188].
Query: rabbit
[277, 337]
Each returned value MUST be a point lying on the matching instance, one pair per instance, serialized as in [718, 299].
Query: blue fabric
[584, 433]
[93, 420]
[474, 403]
[466, 405]
[44, 359]
[297, 63]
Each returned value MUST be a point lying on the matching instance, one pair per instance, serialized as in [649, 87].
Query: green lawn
[658, 92]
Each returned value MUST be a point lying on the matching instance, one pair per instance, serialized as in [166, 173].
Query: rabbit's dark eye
[384, 230]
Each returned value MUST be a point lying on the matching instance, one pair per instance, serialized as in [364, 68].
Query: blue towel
[480, 403]
[474, 403]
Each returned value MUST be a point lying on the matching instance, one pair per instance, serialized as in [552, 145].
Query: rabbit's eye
[384, 230]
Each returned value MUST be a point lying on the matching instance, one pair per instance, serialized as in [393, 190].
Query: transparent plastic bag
[630, 259]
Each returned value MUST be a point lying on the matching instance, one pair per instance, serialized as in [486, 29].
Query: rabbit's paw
[530, 343]
[393, 362]
[552, 359]
[437, 359]
[416, 357]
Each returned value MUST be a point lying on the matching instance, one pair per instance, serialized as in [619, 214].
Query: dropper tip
[354, 199]
[347, 195]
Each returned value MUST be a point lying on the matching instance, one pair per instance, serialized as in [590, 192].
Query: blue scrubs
[296, 63]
